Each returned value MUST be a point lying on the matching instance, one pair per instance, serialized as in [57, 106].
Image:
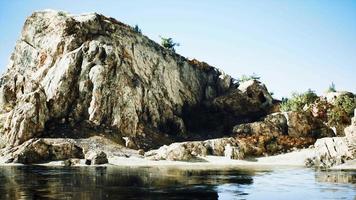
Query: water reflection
[38, 182]
[30, 182]
[336, 177]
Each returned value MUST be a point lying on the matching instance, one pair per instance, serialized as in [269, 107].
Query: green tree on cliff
[168, 43]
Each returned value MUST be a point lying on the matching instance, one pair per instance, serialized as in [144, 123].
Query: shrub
[61, 13]
[298, 101]
[168, 43]
[339, 115]
[346, 103]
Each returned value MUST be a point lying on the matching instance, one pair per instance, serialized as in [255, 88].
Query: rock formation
[69, 71]
[276, 133]
[41, 150]
[333, 151]
[88, 86]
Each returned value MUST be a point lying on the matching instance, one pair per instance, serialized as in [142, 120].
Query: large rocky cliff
[71, 75]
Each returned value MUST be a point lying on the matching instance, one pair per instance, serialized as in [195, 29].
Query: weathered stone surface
[71, 162]
[42, 150]
[232, 152]
[281, 132]
[335, 151]
[95, 69]
[295, 124]
[251, 97]
[331, 151]
[96, 157]
[350, 136]
[303, 124]
[27, 118]
[272, 125]
[186, 151]
[267, 137]
[177, 151]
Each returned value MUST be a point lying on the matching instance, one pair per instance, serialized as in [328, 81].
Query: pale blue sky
[292, 45]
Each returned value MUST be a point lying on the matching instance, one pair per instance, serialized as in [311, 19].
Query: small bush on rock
[346, 103]
[244, 78]
[339, 115]
[298, 101]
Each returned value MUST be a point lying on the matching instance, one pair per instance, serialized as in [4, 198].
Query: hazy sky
[292, 45]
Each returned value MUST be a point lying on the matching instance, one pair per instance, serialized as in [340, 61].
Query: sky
[292, 45]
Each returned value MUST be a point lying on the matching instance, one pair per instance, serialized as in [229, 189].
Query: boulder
[44, 150]
[96, 158]
[331, 151]
[273, 125]
[251, 97]
[186, 151]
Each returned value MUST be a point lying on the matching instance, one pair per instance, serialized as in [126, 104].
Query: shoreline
[295, 159]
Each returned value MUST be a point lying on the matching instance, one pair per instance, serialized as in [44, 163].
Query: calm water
[37, 182]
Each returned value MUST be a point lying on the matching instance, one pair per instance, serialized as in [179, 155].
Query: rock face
[94, 69]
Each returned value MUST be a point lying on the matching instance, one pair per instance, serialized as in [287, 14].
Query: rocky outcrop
[303, 124]
[41, 150]
[294, 124]
[232, 147]
[282, 132]
[336, 150]
[330, 152]
[247, 103]
[273, 125]
[69, 69]
[186, 151]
